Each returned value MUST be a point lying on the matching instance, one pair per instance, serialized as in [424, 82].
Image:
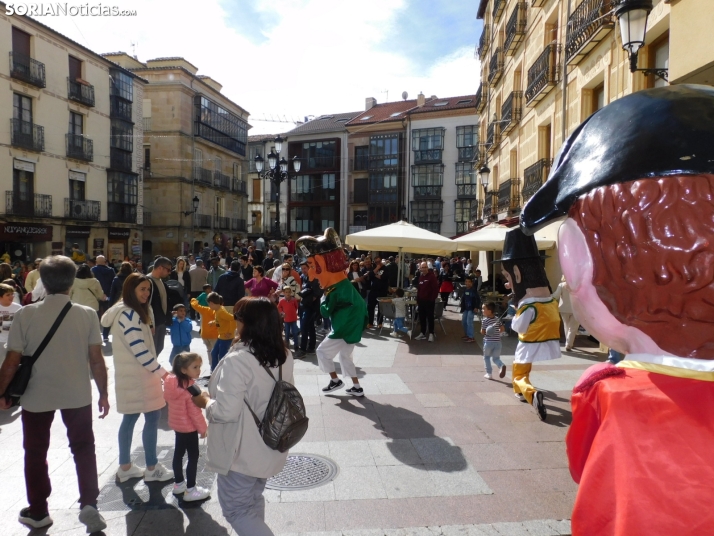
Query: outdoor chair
[388, 313]
[439, 313]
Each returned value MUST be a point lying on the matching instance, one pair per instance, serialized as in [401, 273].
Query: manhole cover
[304, 471]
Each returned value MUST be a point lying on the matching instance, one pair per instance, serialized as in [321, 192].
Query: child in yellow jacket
[209, 331]
[226, 325]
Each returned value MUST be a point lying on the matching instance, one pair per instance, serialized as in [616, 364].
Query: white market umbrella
[491, 237]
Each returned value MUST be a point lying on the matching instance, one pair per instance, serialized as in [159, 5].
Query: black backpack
[285, 422]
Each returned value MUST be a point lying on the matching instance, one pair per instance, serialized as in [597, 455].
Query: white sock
[355, 384]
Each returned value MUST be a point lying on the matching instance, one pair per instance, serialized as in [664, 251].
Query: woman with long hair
[181, 274]
[236, 450]
[353, 275]
[137, 377]
[86, 289]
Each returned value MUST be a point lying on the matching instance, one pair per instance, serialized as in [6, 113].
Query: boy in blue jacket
[181, 328]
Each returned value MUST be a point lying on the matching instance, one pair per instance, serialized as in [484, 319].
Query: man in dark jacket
[379, 289]
[231, 286]
[427, 291]
[310, 294]
[159, 301]
[246, 267]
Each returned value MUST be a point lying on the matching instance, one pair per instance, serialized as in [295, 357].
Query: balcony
[121, 212]
[27, 135]
[588, 25]
[534, 176]
[509, 197]
[543, 74]
[322, 162]
[490, 203]
[495, 67]
[481, 97]
[79, 147]
[203, 175]
[428, 156]
[120, 160]
[120, 108]
[204, 221]
[82, 210]
[222, 223]
[26, 69]
[238, 224]
[511, 111]
[477, 210]
[498, 7]
[466, 154]
[466, 191]
[427, 192]
[221, 181]
[479, 157]
[240, 187]
[81, 93]
[23, 204]
[493, 137]
[382, 196]
[515, 28]
[359, 163]
[483, 43]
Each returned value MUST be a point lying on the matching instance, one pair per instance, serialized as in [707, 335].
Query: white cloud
[317, 56]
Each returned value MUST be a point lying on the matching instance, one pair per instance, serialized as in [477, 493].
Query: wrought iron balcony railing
[511, 111]
[466, 154]
[427, 192]
[509, 196]
[240, 187]
[465, 191]
[24, 68]
[82, 209]
[204, 221]
[588, 25]
[483, 43]
[222, 222]
[534, 176]
[32, 205]
[27, 135]
[477, 210]
[493, 136]
[82, 93]
[80, 147]
[119, 108]
[382, 196]
[515, 28]
[543, 74]
[221, 181]
[498, 7]
[490, 206]
[238, 224]
[495, 67]
[121, 212]
[120, 160]
[427, 156]
[481, 97]
[203, 175]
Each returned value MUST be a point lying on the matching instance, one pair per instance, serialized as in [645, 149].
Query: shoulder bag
[21, 379]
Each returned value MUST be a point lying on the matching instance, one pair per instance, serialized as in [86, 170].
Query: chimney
[421, 99]
[369, 102]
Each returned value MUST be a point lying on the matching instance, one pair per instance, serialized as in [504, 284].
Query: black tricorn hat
[648, 134]
[307, 246]
[518, 246]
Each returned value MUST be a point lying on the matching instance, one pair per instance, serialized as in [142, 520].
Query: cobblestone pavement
[432, 449]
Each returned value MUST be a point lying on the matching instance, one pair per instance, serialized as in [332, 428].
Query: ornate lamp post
[632, 17]
[277, 173]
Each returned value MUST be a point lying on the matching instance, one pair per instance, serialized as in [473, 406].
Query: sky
[291, 59]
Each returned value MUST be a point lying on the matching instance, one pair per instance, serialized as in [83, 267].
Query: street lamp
[632, 17]
[277, 173]
[195, 202]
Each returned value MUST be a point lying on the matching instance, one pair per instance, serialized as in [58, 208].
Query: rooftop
[324, 123]
[383, 113]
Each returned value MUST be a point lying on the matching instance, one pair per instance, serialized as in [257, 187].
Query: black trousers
[426, 316]
[372, 303]
[186, 442]
[307, 329]
[192, 313]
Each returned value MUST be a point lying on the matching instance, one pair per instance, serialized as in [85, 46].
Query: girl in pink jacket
[187, 421]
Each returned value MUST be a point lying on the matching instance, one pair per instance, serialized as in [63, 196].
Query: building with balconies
[194, 147]
[546, 66]
[262, 193]
[62, 185]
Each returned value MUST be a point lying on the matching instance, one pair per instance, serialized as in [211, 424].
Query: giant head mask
[325, 257]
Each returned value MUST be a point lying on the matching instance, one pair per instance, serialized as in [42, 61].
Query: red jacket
[640, 446]
[184, 415]
[428, 288]
[289, 309]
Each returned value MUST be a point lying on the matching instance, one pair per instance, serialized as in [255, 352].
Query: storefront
[77, 234]
[123, 243]
[25, 241]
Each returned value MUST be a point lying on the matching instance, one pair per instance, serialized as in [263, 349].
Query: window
[23, 187]
[318, 187]
[218, 165]
[122, 135]
[359, 218]
[20, 42]
[22, 108]
[467, 136]
[359, 194]
[254, 151]
[427, 138]
[365, 118]
[395, 114]
[427, 215]
[384, 151]
[147, 158]
[312, 220]
[76, 124]
[441, 103]
[76, 185]
[465, 101]
[379, 181]
[197, 161]
[220, 126]
[381, 215]
[122, 188]
[361, 158]
[122, 85]
[661, 60]
[462, 210]
[256, 191]
[465, 173]
[320, 154]
[598, 98]
[431, 175]
[75, 68]
[220, 207]
[237, 171]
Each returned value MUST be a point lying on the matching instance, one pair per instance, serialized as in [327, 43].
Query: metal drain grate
[304, 471]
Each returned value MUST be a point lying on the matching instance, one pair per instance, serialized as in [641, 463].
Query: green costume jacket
[344, 306]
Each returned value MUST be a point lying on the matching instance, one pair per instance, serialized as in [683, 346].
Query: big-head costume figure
[636, 182]
[341, 303]
[537, 320]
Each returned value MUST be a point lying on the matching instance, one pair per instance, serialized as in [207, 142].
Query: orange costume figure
[636, 184]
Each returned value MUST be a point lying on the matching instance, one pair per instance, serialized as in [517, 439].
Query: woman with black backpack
[241, 387]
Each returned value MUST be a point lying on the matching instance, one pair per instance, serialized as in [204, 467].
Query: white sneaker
[179, 488]
[487, 376]
[92, 519]
[133, 472]
[420, 337]
[159, 474]
[393, 334]
[196, 494]
[431, 337]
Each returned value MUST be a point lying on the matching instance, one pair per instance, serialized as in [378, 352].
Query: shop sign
[78, 231]
[116, 233]
[25, 232]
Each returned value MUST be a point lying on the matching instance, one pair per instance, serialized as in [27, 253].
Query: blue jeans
[219, 350]
[492, 350]
[399, 325]
[467, 321]
[176, 350]
[148, 436]
[614, 357]
[291, 330]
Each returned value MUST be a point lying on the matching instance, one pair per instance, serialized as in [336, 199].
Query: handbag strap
[50, 334]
